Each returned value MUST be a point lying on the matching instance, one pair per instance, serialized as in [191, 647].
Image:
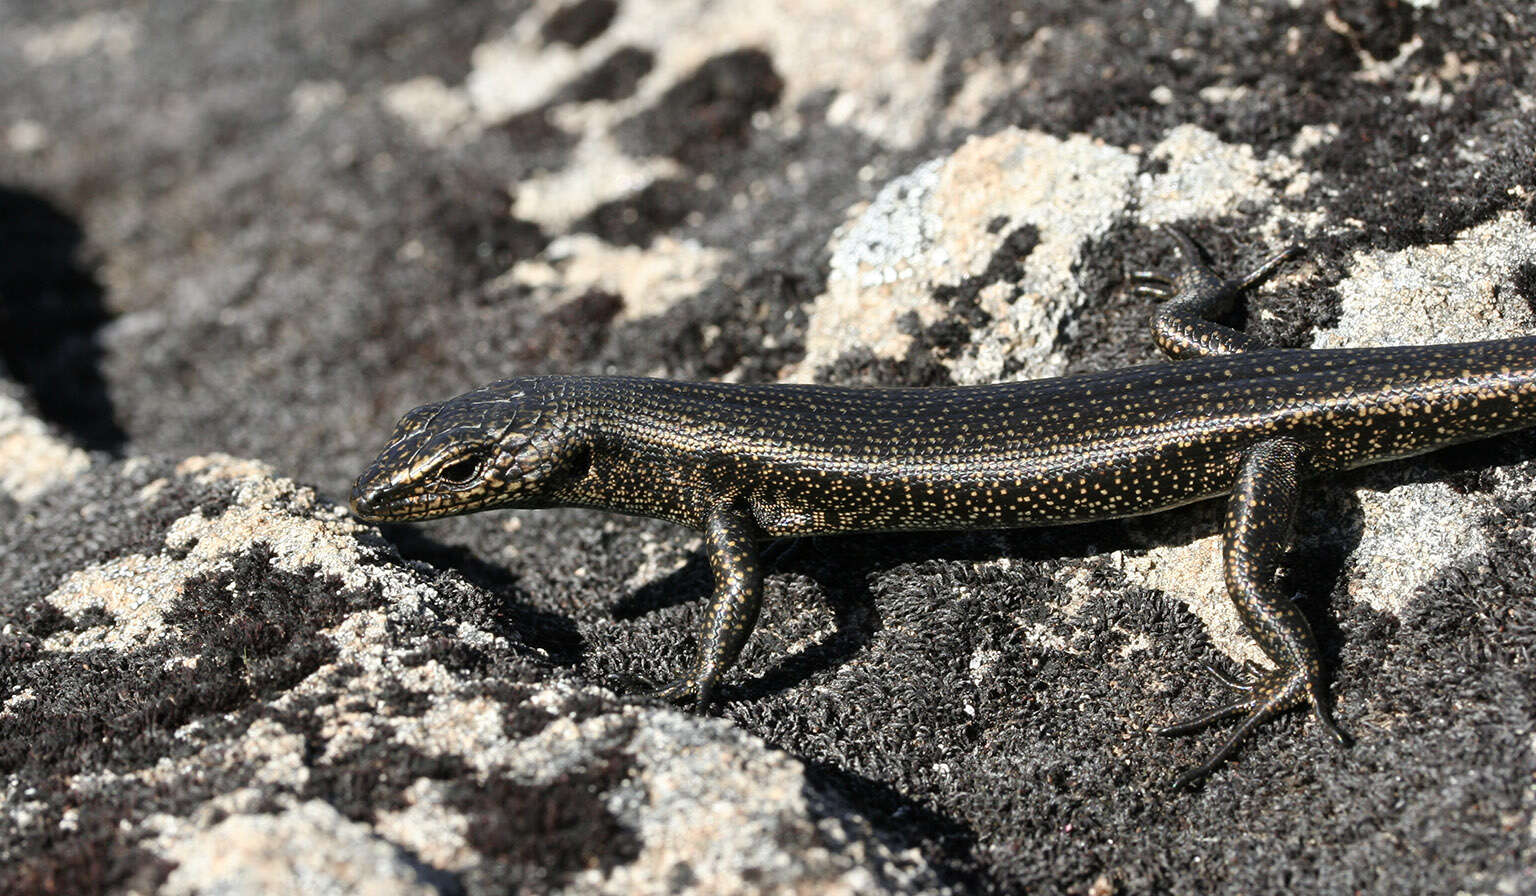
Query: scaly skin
[748, 462]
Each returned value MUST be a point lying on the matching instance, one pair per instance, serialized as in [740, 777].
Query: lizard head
[509, 444]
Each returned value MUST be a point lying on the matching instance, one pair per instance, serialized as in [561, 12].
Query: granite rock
[237, 241]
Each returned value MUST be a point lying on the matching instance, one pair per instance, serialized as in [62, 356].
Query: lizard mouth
[375, 499]
[372, 504]
[382, 507]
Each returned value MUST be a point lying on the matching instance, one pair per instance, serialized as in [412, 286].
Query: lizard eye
[460, 472]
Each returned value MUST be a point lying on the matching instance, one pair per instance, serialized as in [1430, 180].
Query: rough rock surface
[238, 240]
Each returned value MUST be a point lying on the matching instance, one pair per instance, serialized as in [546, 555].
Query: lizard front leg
[730, 536]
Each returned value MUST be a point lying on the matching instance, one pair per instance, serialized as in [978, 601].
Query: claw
[683, 691]
[1190, 726]
[1253, 720]
[1151, 285]
[1252, 672]
[1231, 681]
[1324, 716]
[1272, 692]
[1268, 267]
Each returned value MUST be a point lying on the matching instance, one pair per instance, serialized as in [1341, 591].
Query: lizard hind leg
[1184, 327]
[1255, 537]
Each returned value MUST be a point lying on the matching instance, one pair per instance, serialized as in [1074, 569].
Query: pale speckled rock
[598, 172]
[931, 228]
[746, 825]
[302, 530]
[1192, 574]
[1411, 532]
[706, 797]
[703, 795]
[430, 828]
[32, 458]
[472, 729]
[132, 590]
[935, 226]
[309, 848]
[438, 113]
[1207, 178]
[135, 589]
[113, 35]
[1444, 293]
[649, 279]
[857, 49]
[874, 263]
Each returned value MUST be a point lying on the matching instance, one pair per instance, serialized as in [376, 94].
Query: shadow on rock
[552, 633]
[948, 843]
[842, 568]
[50, 312]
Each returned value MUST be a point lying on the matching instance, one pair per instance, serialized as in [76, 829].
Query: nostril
[361, 505]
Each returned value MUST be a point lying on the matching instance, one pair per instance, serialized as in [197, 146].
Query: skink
[743, 463]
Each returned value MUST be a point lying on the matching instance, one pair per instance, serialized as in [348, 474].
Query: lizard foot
[1152, 285]
[1269, 693]
[1196, 277]
[684, 691]
[1244, 682]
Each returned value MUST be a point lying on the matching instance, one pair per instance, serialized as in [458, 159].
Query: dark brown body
[810, 459]
[1229, 416]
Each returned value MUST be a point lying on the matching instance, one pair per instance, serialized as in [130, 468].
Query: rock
[236, 243]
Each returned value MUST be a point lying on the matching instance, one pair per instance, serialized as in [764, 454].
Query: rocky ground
[238, 240]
